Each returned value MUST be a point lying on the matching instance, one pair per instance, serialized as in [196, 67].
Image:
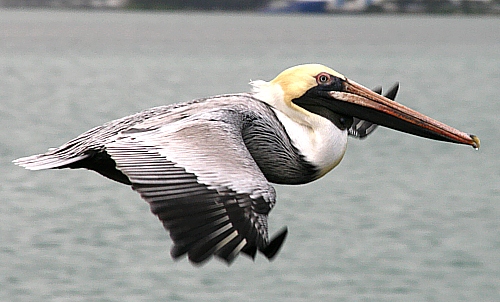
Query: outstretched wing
[361, 128]
[202, 183]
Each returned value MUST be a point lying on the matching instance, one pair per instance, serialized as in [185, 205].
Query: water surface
[401, 219]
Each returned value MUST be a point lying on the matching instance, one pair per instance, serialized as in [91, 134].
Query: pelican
[205, 166]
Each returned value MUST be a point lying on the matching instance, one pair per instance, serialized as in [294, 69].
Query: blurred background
[299, 6]
[400, 219]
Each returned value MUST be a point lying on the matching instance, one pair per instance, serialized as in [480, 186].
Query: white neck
[321, 142]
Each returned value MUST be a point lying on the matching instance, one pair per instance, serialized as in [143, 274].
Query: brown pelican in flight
[205, 166]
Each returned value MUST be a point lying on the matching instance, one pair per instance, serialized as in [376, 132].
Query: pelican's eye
[323, 79]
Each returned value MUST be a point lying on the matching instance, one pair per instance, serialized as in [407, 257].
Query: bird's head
[309, 90]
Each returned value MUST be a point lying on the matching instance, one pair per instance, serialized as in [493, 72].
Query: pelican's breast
[323, 145]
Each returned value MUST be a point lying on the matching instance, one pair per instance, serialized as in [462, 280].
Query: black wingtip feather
[274, 246]
[250, 250]
[393, 91]
[377, 89]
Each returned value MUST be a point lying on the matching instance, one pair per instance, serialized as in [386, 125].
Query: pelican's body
[205, 166]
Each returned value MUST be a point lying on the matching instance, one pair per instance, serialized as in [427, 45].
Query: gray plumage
[196, 165]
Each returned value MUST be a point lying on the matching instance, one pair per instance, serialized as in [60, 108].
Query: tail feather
[46, 161]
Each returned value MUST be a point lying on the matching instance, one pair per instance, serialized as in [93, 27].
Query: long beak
[359, 101]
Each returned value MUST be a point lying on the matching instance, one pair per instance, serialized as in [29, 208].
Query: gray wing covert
[203, 184]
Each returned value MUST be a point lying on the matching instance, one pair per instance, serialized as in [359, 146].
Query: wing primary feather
[377, 89]
[176, 190]
[176, 213]
[229, 257]
[229, 248]
[193, 195]
[250, 250]
[275, 244]
[393, 91]
[193, 231]
[206, 247]
[187, 226]
[185, 242]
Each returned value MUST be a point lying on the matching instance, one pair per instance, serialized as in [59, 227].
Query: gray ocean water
[401, 219]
